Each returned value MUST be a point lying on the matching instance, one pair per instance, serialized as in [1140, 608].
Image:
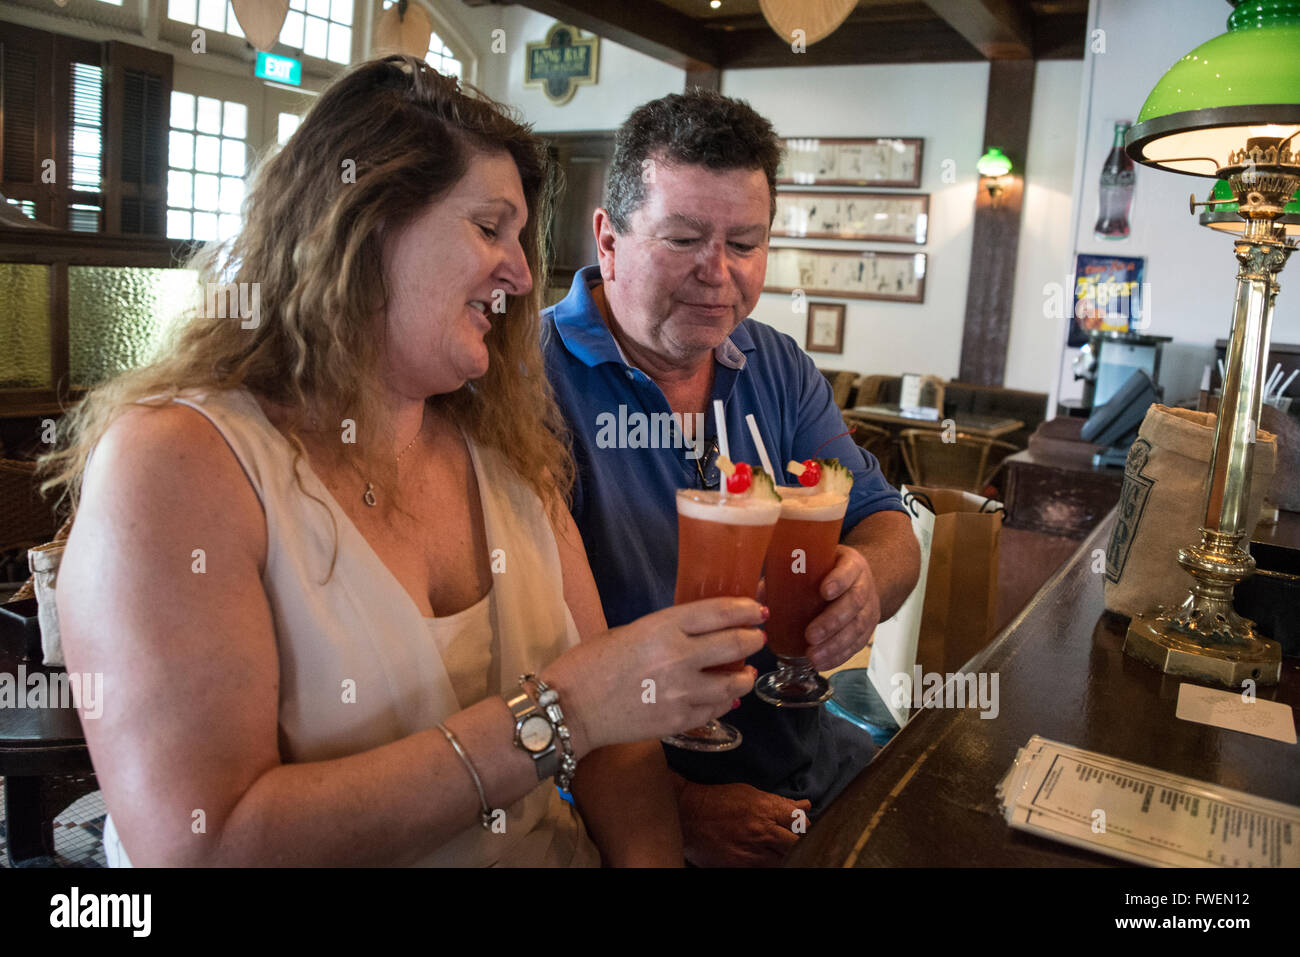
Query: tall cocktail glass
[721, 543]
[800, 555]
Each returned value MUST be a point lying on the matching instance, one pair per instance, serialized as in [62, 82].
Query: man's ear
[603, 228]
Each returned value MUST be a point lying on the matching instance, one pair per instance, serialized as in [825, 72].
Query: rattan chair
[879, 442]
[968, 463]
[25, 519]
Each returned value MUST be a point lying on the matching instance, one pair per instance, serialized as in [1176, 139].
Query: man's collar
[583, 331]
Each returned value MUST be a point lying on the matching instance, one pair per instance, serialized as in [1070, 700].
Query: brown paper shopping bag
[961, 592]
[1162, 504]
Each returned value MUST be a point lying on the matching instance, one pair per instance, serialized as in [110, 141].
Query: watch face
[536, 734]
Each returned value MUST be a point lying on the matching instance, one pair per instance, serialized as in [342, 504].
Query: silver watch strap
[549, 699]
[522, 707]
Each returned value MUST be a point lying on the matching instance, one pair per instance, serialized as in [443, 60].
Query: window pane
[232, 194]
[314, 41]
[207, 154]
[235, 121]
[178, 224]
[340, 43]
[228, 226]
[117, 315]
[83, 218]
[212, 15]
[209, 115]
[85, 158]
[319, 8]
[287, 126]
[232, 157]
[341, 12]
[180, 188]
[180, 150]
[205, 226]
[436, 46]
[297, 4]
[232, 22]
[206, 192]
[25, 332]
[182, 10]
[452, 68]
[182, 111]
[291, 32]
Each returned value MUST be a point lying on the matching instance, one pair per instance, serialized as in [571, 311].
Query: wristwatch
[535, 734]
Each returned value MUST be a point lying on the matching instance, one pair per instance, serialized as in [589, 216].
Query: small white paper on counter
[1228, 709]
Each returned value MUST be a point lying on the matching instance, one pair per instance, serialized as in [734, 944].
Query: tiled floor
[78, 834]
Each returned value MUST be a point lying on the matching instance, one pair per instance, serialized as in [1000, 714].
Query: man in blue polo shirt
[637, 352]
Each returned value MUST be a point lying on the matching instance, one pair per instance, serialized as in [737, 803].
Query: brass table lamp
[1229, 110]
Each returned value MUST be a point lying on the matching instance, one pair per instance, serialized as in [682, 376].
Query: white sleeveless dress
[410, 672]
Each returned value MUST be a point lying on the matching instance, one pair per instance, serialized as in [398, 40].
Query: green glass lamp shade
[994, 163]
[1226, 219]
[1242, 84]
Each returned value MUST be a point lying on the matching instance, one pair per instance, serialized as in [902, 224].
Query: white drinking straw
[762, 449]
[721, 423]
[1275, 378]
[1281, 390]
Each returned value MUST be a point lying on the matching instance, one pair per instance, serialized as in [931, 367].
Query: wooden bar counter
[928, 799]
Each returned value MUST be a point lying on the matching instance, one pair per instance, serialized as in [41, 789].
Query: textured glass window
[117, 316]
[25, 331]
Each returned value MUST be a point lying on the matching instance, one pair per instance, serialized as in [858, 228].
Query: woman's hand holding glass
[647, 679]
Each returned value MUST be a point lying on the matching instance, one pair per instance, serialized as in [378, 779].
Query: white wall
[1191, 269]
[945, 105]
[1045, 249]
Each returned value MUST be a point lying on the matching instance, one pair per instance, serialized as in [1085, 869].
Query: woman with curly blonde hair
[319, 541]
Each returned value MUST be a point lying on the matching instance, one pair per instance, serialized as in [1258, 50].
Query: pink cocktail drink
[721, 544]
[800, 555]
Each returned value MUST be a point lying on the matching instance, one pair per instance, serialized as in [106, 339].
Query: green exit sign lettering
[278, 69]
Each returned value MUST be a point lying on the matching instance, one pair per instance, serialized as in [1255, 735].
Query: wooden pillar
[703, 76]
[991, 287]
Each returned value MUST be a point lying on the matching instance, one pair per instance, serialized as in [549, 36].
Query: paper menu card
[1141, 814]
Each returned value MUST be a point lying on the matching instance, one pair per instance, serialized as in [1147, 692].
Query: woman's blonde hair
[380, 143]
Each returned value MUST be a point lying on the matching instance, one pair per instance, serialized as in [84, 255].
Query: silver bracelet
[484, 815]
[549, 700]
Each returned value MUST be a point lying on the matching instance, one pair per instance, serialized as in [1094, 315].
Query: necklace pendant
[369, 496]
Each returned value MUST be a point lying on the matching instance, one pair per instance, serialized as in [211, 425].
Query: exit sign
[280, 69]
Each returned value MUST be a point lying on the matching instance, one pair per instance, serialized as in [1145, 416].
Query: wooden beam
[991, 286]
[1060, 37]
[999, 29]
[860, 41]
[654, 29]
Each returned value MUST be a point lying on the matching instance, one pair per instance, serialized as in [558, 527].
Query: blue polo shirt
[631, 458]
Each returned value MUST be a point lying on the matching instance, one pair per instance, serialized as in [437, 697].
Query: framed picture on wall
[825, 327]
[883, 217]
[847, 273]
[874, 161]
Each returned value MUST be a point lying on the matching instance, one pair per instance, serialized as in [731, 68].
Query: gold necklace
[368, 496]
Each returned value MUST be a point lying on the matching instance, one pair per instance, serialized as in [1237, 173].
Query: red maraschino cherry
[812, 473]
[740, 480]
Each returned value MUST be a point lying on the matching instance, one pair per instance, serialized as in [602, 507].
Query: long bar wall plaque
[883, 217]
[847, 273]
[561, 63]
[879, 161]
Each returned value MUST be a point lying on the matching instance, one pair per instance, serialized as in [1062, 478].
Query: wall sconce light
[993, 168]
